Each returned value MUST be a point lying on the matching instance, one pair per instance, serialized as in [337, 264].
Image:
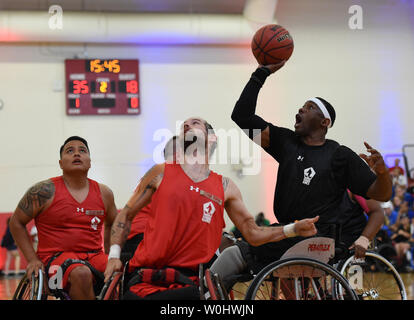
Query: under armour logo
[196, 189]
[300, 158]
[80, 210]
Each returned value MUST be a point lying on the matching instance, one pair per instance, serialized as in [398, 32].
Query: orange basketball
[272, 44]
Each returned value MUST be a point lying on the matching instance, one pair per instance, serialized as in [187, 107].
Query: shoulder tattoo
[36, 197]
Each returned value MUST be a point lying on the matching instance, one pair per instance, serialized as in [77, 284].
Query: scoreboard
[102, 87]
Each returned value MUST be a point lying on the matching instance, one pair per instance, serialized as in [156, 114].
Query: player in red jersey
[185, 227]
[140, 221]
[70, 212]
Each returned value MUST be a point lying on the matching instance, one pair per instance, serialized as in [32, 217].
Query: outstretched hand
[306, 227]
[274, 67]
[374, 160]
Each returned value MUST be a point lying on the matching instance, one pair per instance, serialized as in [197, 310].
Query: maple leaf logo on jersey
[208, 211]
[95, 222]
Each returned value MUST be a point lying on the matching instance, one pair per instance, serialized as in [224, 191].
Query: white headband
[323, 109]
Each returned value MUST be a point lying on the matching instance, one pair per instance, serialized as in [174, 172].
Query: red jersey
[186, 223]
[401, 170]
[68, 225]
[140, 221]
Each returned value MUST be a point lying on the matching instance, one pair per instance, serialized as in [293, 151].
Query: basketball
[272, 44]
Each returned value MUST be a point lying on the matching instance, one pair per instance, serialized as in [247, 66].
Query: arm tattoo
[150, 187]
[121, 225]
[153, 183]
[225, 181]
[36, 197]
[122, 229]
[126, 229]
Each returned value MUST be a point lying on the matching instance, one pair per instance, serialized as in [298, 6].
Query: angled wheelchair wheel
[373, 278]
[223, 295]
[30, 288]
[299, 279]
[112, 290]
[237, 285]
[211, 285]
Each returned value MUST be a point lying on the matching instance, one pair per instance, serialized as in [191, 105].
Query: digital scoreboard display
[99, 86]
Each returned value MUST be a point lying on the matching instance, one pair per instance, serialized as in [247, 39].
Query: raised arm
[34, 201]
[254, 234]
[122, 225]
[381, 188]
[244, 112]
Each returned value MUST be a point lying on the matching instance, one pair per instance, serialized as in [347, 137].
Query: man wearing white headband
[313, 176]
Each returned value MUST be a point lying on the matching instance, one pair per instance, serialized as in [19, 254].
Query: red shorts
[97, 260]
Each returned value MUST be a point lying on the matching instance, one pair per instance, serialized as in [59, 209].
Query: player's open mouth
[77, 162]
[298, 120]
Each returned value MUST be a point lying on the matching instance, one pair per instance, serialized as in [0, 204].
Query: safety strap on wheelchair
[68, 262]
[161, 277]
[50, 263]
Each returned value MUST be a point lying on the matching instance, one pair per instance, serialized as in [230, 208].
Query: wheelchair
[30, 288]
[115, 288]
[34, 288]
[372, 278]
[313, 269]
[302, 273]
[37, 288]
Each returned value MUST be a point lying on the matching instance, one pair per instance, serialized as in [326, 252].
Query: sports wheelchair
[37, 288]
[314, 269]
[302, 273]
[296, 276]
[372, 278]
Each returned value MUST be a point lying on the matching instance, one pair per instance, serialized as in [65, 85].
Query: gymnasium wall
[366, 74]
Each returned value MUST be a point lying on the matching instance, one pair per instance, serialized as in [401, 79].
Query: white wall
[366, 74]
